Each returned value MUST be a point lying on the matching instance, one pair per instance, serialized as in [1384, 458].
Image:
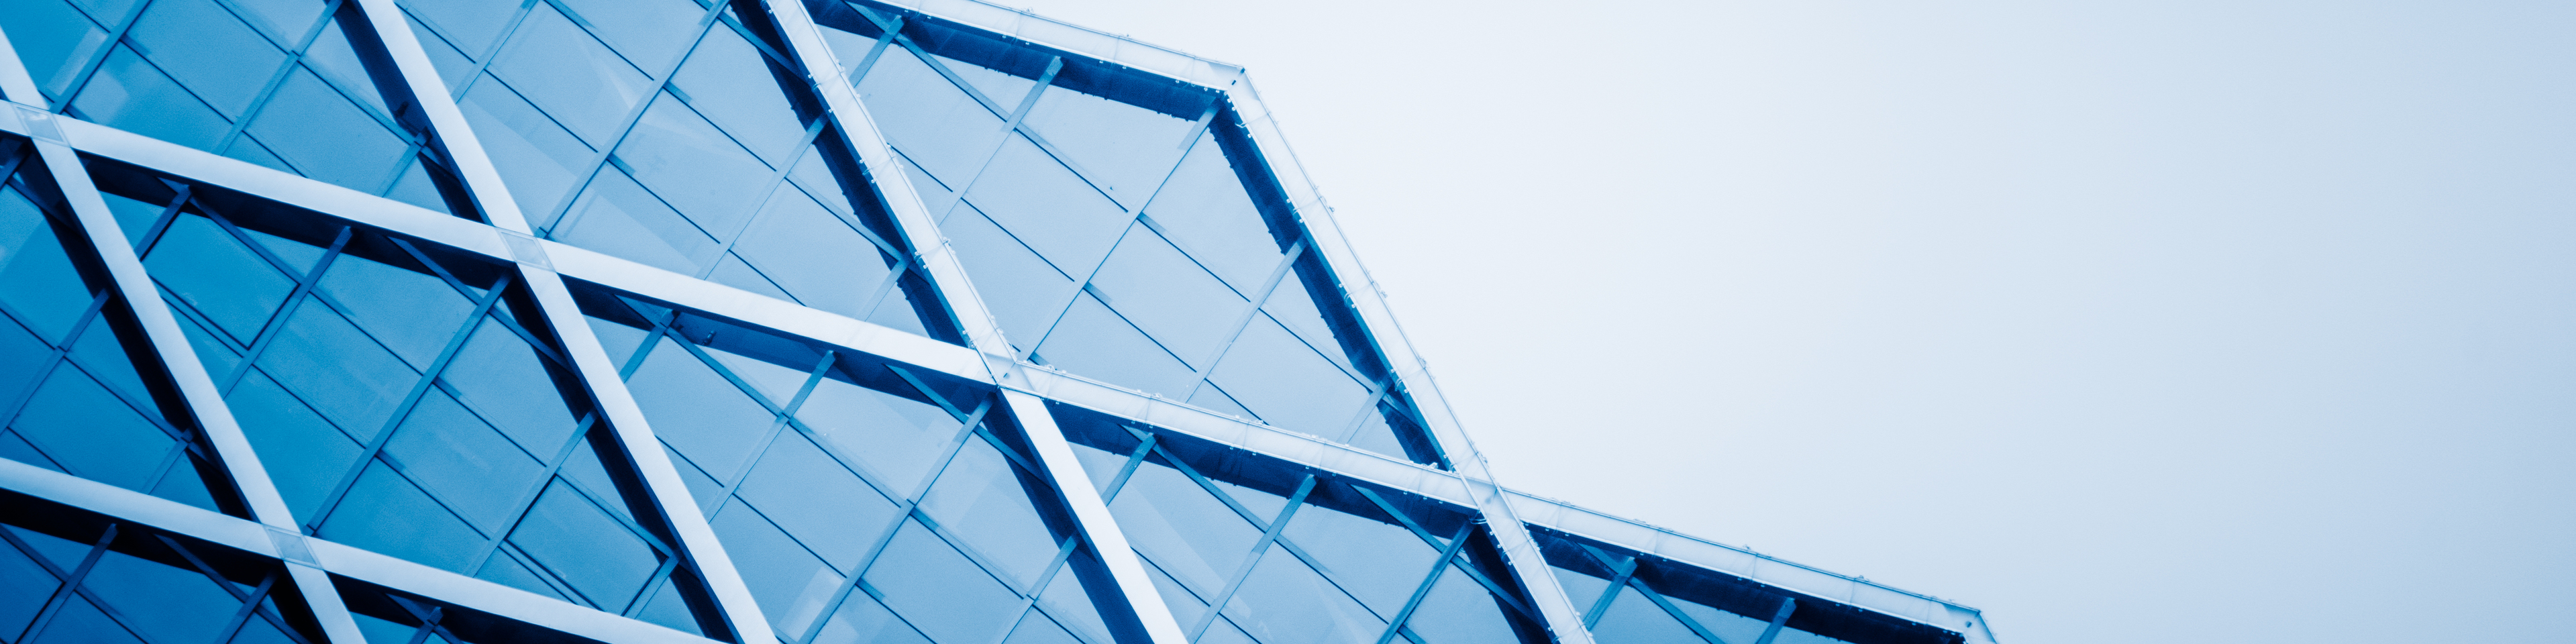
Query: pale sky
[2186, 320]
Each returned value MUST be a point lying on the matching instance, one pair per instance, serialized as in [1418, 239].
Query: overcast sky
[2151, 321]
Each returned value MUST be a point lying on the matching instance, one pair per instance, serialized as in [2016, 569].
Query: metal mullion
[1251, 310]
[1253, 559]
[1379, 391]
[250, 600]
[89, 70]
[55, 357]
[169, 213]
[1463, 566]
[393, 421]
[777, 177]
[161, 329]
[70, 580]
[1779, 619]
[250, 606]
[626, 127]
[1228, 500]
[884, 40]
[1029, 600]
[1619, 576]
[907, 43]
[276, 324]
[904, 511]
[1402, 615]
[1670, 609]
[268, 91]
[1135, 458]
[481, 62]
[738, 383]
[528, 499]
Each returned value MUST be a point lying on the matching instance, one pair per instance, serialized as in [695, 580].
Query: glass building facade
[821, 322]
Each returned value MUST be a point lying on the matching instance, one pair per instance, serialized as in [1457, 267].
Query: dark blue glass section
[406, 404]
[72, 576]
[1656, 600]
[278, 83]
[72, 398]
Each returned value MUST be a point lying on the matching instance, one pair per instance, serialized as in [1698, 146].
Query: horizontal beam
[242, 534]
[966, 364]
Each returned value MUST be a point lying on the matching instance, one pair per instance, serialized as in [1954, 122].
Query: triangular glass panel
[406, 400]
[280, 84]
[132, 583]
[78, 391]
[854, 495]
[1146, 195]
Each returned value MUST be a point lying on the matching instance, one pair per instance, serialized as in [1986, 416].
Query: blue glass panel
[53, 40]
[862, 620]
[300, 257]
[1377, 562]
[578, 542]
[1290, 386]
[453, 66]
[216, 276]
[98, 353]
[81, 426]
[731, 84]
[776, 384]
[1736, 628]
[23, 359]
[1580, 588]
[1129, 149]
[670, 608]
[1285, 601]
[506, 383]
[939, 591]
[207, 50]
[160, 602]
[37, 283]
[1035, 628]
[333, 58]
[411, 313]
[472, 23]
[1065, 602]
[415, 187]
[338, 370]
[462, 460]
[326, 137]
[1293, 306]
[980, 502]
[249, 149]
[817, 257]
[283, 431]
[999, 86]
[649, 32]
[1191, 536]
[1185, 605]
[1184, 308]
[619, 340]
[1023, 292]
[788, 581]
[1205, 211]
[386, 514]
[897, 440]
[570, 75]
[731, 271]
[81, 623]
[1460, 611]
[1093, 341]
[135, 97]
[1633, 619]
[133, 218]
[617, 216]
[930, 119]
[695, 168]
[1214, 398]
[698, 412]
[284, 20]
[824, 505]
[1047, 207]
[534, 154]
[26, 591]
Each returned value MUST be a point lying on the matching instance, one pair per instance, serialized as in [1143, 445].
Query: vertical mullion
[178, 359]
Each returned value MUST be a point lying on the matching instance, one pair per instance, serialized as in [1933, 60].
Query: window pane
[1129, 149]
[979, 500]
[1460, 611]
[939, 591]
[570, 75]
[823, 505]
[214, 274]
[80, 425]
[698, 412]
[1285, 601]
[581, 545]
[1047, 206]
[1633, 619]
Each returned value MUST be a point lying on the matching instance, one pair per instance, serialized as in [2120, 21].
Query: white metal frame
[1025, 386]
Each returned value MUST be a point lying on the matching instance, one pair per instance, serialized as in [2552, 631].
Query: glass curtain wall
[460, 441]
